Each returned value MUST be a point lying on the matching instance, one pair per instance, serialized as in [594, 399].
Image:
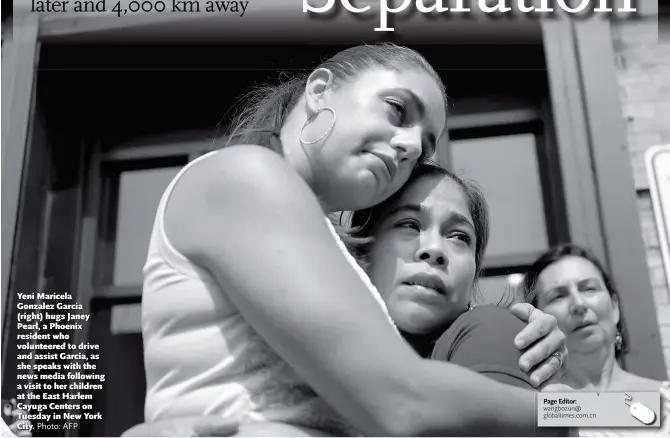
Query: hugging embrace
[263, 315]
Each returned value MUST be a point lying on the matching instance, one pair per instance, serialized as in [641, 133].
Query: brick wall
[643, 64]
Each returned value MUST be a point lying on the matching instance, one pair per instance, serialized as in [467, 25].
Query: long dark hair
[556, 254]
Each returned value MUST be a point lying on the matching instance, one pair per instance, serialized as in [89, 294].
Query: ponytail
[263, 113]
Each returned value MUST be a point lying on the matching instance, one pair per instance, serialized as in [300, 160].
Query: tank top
[201, 356]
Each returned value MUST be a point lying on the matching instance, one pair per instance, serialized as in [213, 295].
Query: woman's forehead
[567, 269]
[435, 192]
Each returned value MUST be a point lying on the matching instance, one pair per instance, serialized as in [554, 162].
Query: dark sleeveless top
[482, 340]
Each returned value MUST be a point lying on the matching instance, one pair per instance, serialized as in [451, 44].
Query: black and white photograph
[290, 218]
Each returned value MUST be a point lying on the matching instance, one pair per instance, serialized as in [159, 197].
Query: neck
[423, 343]
[296, 154]
[592, 370]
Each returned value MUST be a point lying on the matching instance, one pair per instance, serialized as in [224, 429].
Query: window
[126, 183]
[513, 190]
[502, 289]
[524, 195]
[131, 190]
[139, 194]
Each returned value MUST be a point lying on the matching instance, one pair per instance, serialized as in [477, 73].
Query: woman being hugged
[252, 309]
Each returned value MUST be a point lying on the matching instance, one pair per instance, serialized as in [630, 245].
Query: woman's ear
[318, 83]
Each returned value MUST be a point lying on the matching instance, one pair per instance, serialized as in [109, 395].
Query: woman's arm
[249, 219]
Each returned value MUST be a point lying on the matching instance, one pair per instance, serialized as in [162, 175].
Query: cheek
[401, 178]
[602, 306]
[461, 262]
[357, 124]
[462, 272]
[383, 268]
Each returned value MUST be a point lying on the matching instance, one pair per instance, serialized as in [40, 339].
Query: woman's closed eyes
[588, 285]
[400, 114]
[398, 111]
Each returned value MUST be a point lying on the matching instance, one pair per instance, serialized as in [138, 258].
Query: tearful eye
[463, 237]
[412, 225]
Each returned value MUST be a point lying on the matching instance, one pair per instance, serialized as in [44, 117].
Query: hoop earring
[362, 227]
[618, 341]
[311, 119]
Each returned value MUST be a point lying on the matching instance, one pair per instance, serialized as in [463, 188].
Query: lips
[389, 163]
[428, 281]
[582, 325]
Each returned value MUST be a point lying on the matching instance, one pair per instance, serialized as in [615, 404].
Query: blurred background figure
[570, 283]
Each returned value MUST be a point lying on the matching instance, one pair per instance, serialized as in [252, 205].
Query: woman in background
[569, 283]
[252, 308]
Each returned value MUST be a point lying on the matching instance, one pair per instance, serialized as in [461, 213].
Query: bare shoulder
[243, 166]
[241, 187]
[239, 173]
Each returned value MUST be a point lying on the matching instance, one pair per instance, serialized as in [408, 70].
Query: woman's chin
[418, 321]
[416, 329]
[371, 190]
[586, 345]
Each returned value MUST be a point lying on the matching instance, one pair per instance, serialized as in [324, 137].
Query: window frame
[98, 224]
[20, 50]
[522, 121]
[110, 179]
[106, 166]
[105, 163]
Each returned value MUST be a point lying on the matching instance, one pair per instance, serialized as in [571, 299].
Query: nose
[408, 144]
[577, 303]
[431, 250]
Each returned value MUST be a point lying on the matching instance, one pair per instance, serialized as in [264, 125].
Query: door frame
[598, 177]
[20, 55]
